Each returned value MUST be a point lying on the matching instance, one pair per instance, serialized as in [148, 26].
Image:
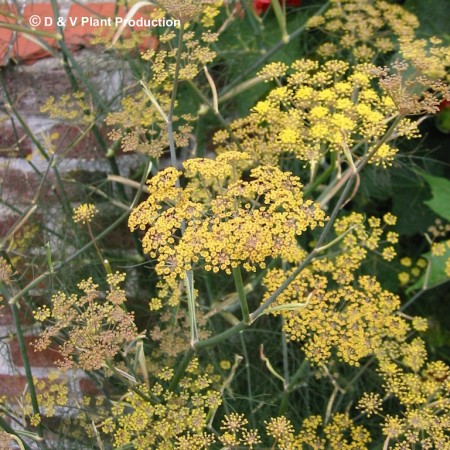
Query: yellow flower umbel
[170, 420]
[339, 433]
[219, 220]
[94, 328]
[141, 123]
[322, 110]
[336, 312]
[84, 213]
[185, 10]
[5, 271]
[421, 389]
[363, 29]
[70, 108]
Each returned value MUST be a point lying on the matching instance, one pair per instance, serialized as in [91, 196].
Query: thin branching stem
[28, 372]
[241, 294]
[173, 98]
[279, 45]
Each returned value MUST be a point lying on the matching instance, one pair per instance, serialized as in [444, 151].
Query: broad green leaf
[409, 194]
[433, 16]
[443, 121]
[440, 189]
[436, 273]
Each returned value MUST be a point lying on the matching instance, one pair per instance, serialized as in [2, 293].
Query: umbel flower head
[5, 271]
[185, 10]
[84, 213]
[220, 220]
[320, 109]
[94, 329]
[363, 30]
[344, 314]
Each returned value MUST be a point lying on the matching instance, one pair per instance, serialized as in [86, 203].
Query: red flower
[261, 6]
[444, 104]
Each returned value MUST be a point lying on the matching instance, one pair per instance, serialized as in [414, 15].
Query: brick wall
[32, 75]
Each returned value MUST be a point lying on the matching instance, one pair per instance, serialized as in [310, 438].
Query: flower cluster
[410, 271]
[139, 125]
[423, 391]
[93, 329]
[52, 393]
[363, 29]
[220, 220]
[428, 57]
[71, 108]
[84, 213]
[235, 432]
[347, 322]
[185, 10]
[340, 432]
[171, 419]
[415, 94]
[320, 109]
[5, 440]
[353, 319]
[5, 271]
[171, 335]
[196, 55]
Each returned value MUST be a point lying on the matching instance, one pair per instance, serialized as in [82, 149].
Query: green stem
[311, 187]
[59, 266]
[259, 311]
[249, 379]
[287, 392]
[94, 243]
[28, 373]
[6, 427]
[270, 52]
[189, 280]
[173, 155]
[280, 14]
[284, 346]
[181, 369]
[241, 294]
[132, 387]
[218, 338]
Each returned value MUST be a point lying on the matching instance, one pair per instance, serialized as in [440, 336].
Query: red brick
[25, 316]
[75, 34]
[30, 87]
[86, 148]
[29, 51]
[88, 387]
[6, 35]
[12, 385]
[29, 234]
[45, 358]
[20, 188]
[23, 49]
